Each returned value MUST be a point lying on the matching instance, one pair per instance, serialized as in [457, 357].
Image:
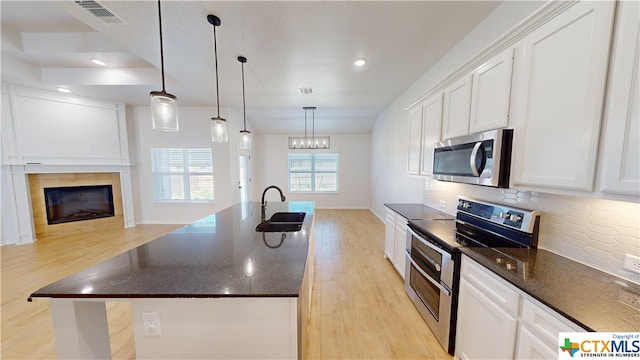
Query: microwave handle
[472, 159]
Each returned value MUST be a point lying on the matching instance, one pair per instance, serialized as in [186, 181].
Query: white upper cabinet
[457, 106]
[491, 93]
[431, 128]
[415, 140]
[621, 149]
[561, 91]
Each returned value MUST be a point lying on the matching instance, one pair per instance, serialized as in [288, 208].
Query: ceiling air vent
[305, 91]
[100, 12]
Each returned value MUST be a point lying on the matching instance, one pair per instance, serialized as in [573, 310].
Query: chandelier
[309, 142]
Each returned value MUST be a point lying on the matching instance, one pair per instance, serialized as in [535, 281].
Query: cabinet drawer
[546, 323]
[491, 285]
[390, 214]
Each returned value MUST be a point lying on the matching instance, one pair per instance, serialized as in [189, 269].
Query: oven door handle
[427, 243]
[435, 283]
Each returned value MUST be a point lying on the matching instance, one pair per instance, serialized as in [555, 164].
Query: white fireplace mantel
[46, 132]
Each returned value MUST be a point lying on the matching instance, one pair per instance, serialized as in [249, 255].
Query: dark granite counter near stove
[589, 297]
[220, 255]
[418, 212]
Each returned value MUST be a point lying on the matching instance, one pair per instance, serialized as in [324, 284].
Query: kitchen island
[213, 289]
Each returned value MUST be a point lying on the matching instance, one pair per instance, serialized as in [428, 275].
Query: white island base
[189, 328]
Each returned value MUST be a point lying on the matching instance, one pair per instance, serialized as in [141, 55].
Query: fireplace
[77, 203]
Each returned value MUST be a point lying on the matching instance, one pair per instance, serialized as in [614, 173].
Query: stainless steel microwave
[481, 159]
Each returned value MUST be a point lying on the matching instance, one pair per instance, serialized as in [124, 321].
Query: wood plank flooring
[359, 308]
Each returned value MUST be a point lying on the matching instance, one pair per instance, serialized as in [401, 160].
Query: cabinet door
[431, 129]
[563, 78]
[389, 235]
[621, 162]
[401, 241]
[530, 347]
[484, 329]
[415, 141]
[491, 93]
[457, 105]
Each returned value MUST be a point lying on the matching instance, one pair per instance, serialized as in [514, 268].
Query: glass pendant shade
[219, 131]
[164, 111]
[245, 139]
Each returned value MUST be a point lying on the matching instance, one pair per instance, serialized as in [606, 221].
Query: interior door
[243, 177]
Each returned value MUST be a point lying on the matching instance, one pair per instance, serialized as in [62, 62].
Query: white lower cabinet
[401, 236]
[487, 323]
[395, 238]
[390, 234]
[498, 321]
[531, 347]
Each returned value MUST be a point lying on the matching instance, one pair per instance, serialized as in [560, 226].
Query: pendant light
[245, 135]
[219, 131]
[299, 142]
[164, 106]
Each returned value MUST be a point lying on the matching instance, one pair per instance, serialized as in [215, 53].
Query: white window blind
[309, 172]
[182, 174]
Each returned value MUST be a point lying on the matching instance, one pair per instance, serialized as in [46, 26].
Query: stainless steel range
[432, 270]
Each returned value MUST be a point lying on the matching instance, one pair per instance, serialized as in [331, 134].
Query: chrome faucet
[264, 202]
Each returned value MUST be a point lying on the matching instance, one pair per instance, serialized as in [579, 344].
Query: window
[182, 174]
[309, 172]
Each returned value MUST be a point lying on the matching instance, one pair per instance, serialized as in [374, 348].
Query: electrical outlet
[631, 263]
[151, 323]
[443, 204]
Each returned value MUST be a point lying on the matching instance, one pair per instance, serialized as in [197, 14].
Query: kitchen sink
[282, 222]
[287, 217]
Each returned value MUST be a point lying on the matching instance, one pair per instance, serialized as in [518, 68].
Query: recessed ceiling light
[305, 91]
[98, 62]
[360, 62]
[64, 90]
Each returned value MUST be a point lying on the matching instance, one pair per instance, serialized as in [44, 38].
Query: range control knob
[464, 205]
[504, 214]
[515, 218]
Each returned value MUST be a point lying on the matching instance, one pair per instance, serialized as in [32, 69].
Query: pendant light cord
[215, 51]
[313, 125]
[161, 47]
[244, 106]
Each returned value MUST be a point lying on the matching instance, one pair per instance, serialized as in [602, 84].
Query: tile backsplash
[595, 232]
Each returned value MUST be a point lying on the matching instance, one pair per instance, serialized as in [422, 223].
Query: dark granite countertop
[419, 212]
[591, 298]
[220, 255]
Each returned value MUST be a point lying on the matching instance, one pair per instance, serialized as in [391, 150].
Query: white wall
[194, 132]
[390, 137]
[595, 232]
[592, 231]
[353, 173]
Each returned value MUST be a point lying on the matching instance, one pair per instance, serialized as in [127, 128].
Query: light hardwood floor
[359, 308]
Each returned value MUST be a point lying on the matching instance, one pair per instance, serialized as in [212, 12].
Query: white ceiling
[288, 44]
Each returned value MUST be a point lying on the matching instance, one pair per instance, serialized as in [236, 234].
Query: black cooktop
[441, 232]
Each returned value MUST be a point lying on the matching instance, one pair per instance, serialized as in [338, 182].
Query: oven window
[426, 291]
[426, 257]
